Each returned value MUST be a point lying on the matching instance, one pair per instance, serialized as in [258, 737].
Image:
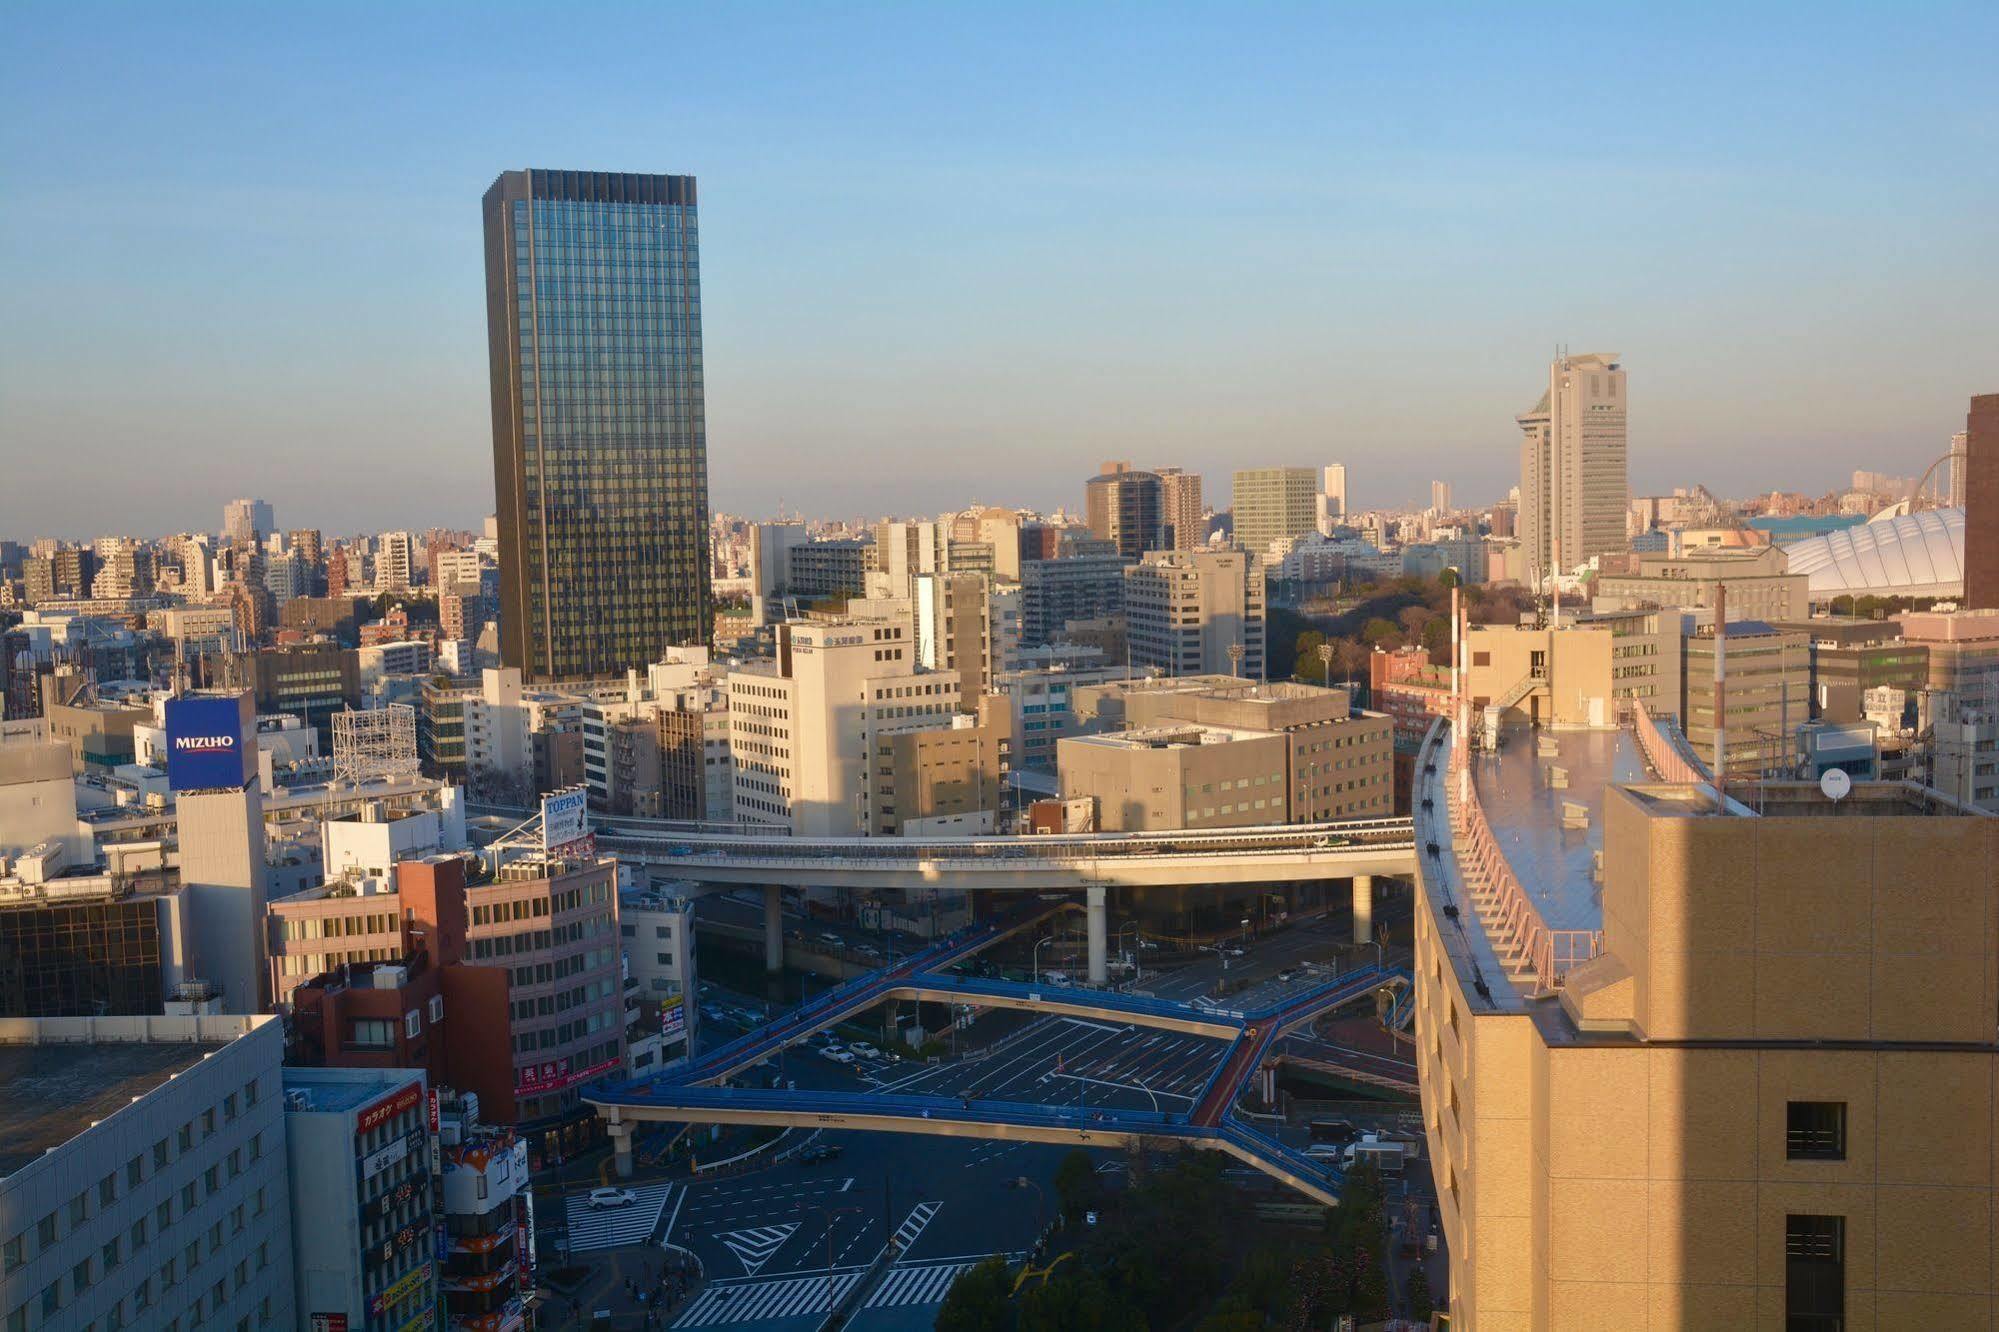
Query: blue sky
[964, 252]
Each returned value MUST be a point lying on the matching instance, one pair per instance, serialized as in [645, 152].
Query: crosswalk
[912, 1226]
[753, 1248]
[781, 1298]
[609, 1227]
[917, 1285]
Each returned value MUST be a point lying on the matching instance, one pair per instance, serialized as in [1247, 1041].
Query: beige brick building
[1768, 1099]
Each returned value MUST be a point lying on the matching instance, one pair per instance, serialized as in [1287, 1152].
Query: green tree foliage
[1309, 666]
[1076, 1184]
[1417, 1295]
[978, 1300]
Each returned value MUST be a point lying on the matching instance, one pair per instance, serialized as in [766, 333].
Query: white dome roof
[1909, 555]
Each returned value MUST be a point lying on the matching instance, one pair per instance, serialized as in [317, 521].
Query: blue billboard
[206, 743]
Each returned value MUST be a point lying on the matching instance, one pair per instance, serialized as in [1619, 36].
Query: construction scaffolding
[376, 745]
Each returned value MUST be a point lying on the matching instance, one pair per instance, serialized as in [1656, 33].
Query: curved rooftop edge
[1912, 554]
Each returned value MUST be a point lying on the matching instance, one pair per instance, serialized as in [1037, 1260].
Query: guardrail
[1519, 934]
[1666, 748]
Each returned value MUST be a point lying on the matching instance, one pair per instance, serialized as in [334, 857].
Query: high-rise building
[1440, 497]
[1981, 502]
[1274, 503]
[1573, 485]
[1332, 499]
[600, 457]
[395, 562]
[1124, 506]
[244, 520]
[1182, 517]
[1198, 612]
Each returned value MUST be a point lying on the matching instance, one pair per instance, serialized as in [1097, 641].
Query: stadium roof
[1910, 555]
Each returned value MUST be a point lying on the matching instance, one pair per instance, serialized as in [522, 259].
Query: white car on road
[864, 1050]
[602, 1198]
[837, 1055]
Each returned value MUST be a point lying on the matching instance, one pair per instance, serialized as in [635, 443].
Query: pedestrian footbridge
[689, 1094]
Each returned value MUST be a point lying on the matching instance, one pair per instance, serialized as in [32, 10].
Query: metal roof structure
[1911, 555]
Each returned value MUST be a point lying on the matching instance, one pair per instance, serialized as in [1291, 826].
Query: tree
[1076, 1183]
[1309, 666]
[1417, 1294]
[978, 1300]
[1413, 618]
[1380, 633]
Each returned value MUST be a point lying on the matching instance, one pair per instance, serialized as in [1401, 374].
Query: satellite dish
[1835, 784]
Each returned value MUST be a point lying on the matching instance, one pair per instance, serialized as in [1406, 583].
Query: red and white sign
[382, 1111]
[554, 1074]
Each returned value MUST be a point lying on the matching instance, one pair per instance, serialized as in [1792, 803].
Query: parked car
[818, 1151]
[864, 1050]
[837, 1055]
[602, 1198]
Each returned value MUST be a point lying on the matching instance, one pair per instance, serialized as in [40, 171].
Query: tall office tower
[1573, 486]
[1440, 497]
[1182, 516]
[1124, 506]
[1981, 503]
[244, 519]
[1333, 496]
[1956, 469]
[1273, 503]
[600, 454]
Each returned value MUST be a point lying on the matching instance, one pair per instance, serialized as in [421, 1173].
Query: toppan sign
[565, 819]
[206, 748]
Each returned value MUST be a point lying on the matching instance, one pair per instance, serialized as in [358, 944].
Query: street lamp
[1326, 664]
[1038, 944]
[1040, 1202]
[1136, 970]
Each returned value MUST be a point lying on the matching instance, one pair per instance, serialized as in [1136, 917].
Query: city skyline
[1021, 284]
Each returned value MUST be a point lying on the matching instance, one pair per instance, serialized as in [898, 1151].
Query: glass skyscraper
[600, 454]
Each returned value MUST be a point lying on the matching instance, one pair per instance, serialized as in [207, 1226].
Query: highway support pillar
[773, 928]
[621, 1147]
[1100, 969]
[1363, 908]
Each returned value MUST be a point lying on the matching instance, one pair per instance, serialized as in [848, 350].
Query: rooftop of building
[55, 1092]
[1170, 735]
[1533, 789]
[334, 1091]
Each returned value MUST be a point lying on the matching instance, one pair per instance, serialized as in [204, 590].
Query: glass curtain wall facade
[593, 301]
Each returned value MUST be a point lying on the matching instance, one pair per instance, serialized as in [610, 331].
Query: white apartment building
[802, 728]
[395, 562]
[1196, 612]
[458, 572]
[1573, 481]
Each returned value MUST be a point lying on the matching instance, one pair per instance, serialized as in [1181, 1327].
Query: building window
[1814, 1273]
[1815, 1131]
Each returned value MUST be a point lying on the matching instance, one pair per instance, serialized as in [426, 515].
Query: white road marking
[754, 1247]
[610, 1227]
[742, 1302]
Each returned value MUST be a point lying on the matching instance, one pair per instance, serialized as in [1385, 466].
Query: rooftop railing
[1519, 934]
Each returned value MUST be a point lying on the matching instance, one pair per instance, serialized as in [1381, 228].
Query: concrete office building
[944, 780]
[1183, 518]
[1573, 484]
[1331, 760]
[966, 624]
[803, 727]
[1760, 584]
[1850, 657]
[1742, 1077]
[1041, 691]
[1768, 694]
[1440, 497]
[601, 478]
[363, 1250]
[657, 928]
[1125, 507]
[836, 567]
[143, 1179]
[1273, 504]
[1196, 613]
